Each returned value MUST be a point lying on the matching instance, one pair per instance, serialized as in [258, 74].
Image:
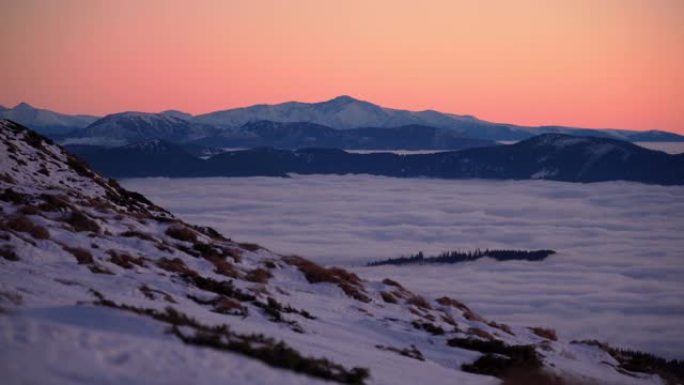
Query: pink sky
[589, 63]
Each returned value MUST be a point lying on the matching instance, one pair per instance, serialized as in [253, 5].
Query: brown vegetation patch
[23, 224]
[388, 297]
[258, 275]
[175, 265]
[349, 282]
[181, 233]
[419, 302]
[428, 327]
[546, 333]
[225, 305]
[138, 234]
[223, 267]
[394, 283]
[249, 246]
[83, 256]
[467, 313]
[54, 202]
[82, 223]
[124, 260]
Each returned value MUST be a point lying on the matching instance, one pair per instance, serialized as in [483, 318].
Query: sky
[586, 63]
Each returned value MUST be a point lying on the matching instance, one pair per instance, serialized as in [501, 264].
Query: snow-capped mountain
[345, 112]
[132, 127]
[45, 121]
[99, 285]
[342, 113]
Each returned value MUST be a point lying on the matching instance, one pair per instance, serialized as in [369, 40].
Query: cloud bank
[618, 275]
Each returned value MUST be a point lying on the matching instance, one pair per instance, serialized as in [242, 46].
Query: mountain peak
[342, 100]
[23, 106]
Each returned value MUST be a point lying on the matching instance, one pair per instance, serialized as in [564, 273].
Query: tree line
[467, 256]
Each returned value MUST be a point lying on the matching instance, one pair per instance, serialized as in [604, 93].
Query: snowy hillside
[98, 285]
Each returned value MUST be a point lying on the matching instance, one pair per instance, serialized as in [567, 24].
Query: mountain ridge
[343, 112]
[556, 157]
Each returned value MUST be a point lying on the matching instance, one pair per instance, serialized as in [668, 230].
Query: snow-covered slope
[99, 285]
[345, 112]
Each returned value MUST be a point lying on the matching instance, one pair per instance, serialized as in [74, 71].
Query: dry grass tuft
[124, 260]
[23, 224]
[81, 222]
[388, 297]
[138, 234]
[349, 282]
[181, 233]
[258, 275]
[249, 246]
[223, 267]
[175, 265]
[419, 302]
[392, 282]
[83, 256]
[548, 334]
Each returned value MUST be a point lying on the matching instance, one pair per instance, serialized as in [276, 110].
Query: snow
[52, 332]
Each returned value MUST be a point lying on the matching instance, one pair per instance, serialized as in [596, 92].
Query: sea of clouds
[618, 275]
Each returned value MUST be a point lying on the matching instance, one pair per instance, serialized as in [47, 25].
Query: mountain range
[549, 156]
[340, 113]
[132, 294]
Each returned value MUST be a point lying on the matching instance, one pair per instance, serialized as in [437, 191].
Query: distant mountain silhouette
[151, 158]
[549, 156]
[302, 134]
[45, 121]
[340, 113]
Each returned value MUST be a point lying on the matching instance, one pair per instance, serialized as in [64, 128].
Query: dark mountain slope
[150, 158]
[302, 134]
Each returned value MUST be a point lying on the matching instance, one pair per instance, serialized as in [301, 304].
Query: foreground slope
[99, 285]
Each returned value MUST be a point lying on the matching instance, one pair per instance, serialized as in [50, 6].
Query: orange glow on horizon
[584, 63]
